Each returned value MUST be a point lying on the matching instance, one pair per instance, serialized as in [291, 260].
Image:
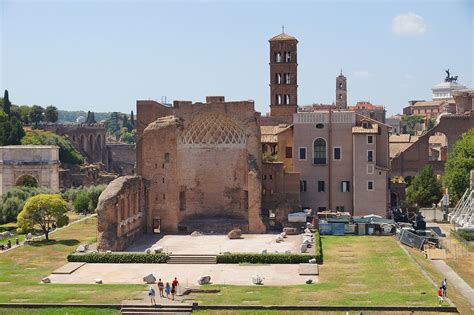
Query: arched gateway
[31, 165]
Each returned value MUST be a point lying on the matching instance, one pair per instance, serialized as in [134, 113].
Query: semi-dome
[212, 129]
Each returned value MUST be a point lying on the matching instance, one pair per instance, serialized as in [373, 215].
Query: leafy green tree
[11, 130]
[409, 123]
[51, 114]
[81, 203]
[460, 163]
[94, 193]
[425, 189]
[6, 103]
[36, 114]
[22, 113]
[67, 152]
[113, 123]
[430, 123]
[128, 136]
[43, 210]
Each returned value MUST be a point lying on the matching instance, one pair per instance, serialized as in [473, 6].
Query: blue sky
[104, 55]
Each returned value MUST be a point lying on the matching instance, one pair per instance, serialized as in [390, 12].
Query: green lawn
[357, 270]
[22, 269]
[58, 311]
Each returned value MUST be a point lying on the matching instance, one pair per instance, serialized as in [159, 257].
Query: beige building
[38, 162]
[343, 161]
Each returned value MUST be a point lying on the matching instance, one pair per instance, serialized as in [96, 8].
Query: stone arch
[320, 153]
[82, 142]
[438, 147]
[213, 129]
[98, 142]
[90, 143]
[29, 180]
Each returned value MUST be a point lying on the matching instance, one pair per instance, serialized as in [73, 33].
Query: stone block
[204, 280]
[234, 234]
[46, 280]
[149, 279]
[290, 231]
[98, 281]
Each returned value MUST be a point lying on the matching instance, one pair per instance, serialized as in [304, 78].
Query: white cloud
[409, 24]
[361, 74]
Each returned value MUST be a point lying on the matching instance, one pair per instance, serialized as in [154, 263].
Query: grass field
[58, 311]
[22, 269]
[357, 270]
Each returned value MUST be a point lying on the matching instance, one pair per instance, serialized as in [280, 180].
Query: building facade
[342, 158]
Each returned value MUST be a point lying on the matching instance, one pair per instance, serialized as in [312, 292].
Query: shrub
[467, 235]
[318, 247]
[119, 258]
[13, 201]
[252, 258]
[81, 203]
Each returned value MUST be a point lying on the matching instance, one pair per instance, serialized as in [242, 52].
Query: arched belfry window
[319, 152]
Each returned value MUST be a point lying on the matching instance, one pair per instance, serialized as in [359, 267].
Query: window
[277, 57]
[337, 153]
[264, 192]
[288, 152]
[288, 56]
[370, 139]
[287, 78]
[370, 169]
[167, 157]
[320, 126]
[340, 96]
[270, 177]
[345, 186]
[370, 185]
[278, 78]
[320, 186]
[302, 153]
[278, 99]
[319, 152]
[264, 177]
[287, 99]
[302, 185]
[163, 180]
[370, 155]
[340, 85]
[164, 196]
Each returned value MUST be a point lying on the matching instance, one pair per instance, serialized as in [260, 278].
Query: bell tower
[283, 75]
[341, 91]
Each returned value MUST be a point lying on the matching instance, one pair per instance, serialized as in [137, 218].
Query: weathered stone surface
[263, 251]
[120, 213]
[234, 234]
[257, 280]
[81, 249]
[46, 280]
[204, 280]
[98, 281]
[304, 248]
[279, 239]
[157, 249]
[149, 279]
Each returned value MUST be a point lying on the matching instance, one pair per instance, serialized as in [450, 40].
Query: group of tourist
[442, 291]
[169, 290]
[8, 245]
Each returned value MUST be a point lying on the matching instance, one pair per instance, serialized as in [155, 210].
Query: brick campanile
[283, 75]
[341, 91]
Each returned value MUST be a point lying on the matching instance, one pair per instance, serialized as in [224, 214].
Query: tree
[112, 124]
[91, 118]
[43, 210]
[81, 203]
[11, 130]
[67, 152]
[430, 123]
[425, 189]
[410, 122]
[132, 119]
[460, 163]
[36, 114]
[51, 114]
[6, 103]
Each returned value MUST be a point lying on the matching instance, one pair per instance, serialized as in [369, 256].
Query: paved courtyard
[215, 244]
[281, 274]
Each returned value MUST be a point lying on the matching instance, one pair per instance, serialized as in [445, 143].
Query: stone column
[255, 204]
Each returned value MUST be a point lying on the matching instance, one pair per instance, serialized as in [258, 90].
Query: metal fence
[457, 248]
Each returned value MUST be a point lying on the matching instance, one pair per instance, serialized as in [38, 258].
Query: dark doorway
[156, 226]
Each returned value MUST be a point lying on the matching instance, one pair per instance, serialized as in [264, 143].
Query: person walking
[175, 284]
[440, 296]
[167, 290]
[173, 290]
[151, 294]
[444, 285]
[161, 286]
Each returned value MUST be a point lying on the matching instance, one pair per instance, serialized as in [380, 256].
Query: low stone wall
[121, 213]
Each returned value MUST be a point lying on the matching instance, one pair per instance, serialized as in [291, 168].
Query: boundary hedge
[119, 258]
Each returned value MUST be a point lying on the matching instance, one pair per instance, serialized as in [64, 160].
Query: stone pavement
[278, 274]
[455, 280]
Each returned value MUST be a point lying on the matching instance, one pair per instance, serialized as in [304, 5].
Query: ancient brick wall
[121, 213]
[122, 158]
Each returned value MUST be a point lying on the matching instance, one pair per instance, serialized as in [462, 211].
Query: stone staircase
[192, 259]
[156, 309]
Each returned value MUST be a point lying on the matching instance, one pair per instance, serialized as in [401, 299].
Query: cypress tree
[6, 103]
[132, 119]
